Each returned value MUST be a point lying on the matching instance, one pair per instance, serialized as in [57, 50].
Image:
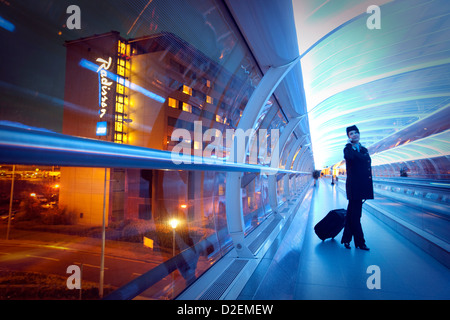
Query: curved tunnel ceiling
[269, 29]
[393, 82]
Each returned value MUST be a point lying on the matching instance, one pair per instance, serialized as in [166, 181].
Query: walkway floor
[327, 270]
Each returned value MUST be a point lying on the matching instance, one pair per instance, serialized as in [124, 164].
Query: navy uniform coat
[359, 173]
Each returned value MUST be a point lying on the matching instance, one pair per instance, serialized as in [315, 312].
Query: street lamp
[173, 223]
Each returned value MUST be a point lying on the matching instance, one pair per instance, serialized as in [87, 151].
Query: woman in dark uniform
[359, 188]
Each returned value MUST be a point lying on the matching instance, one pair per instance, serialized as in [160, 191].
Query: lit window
[121, 71]
[187, 90]
[119, 107]
[209, 99]
[122, 47]
[218, 118]
[208, 83]
[187, 107]
[173, 103]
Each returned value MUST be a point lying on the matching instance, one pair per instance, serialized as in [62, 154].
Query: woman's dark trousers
[353, 223]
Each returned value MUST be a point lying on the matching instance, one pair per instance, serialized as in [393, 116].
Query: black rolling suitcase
[331, 225]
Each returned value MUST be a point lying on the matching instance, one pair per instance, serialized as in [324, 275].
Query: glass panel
[57, 214]
[433, 169]
[167, 65]
[130, 72]
[287, 149]
[280, 189]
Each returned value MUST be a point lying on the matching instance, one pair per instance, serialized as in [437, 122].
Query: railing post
[295, 147]
[273, 196]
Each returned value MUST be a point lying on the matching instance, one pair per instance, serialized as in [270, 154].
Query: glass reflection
[134, 73]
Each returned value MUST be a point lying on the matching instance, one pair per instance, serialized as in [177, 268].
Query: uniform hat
[355, 128]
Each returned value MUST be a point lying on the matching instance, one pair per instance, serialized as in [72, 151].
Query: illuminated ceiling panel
[383, 80]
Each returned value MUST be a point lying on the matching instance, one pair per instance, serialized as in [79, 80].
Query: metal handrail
[411, 183]
[35, 147]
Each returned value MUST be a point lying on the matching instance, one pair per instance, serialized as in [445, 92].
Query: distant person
[404, 172]
[316, 175]
[334, 179]
[359, 188]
